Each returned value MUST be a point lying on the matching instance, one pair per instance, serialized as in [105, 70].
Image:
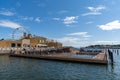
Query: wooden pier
[100, 58]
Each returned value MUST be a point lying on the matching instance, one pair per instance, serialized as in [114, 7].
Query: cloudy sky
[72, 22]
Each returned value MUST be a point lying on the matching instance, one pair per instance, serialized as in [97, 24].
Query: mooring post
[110, 56]
[117, 52]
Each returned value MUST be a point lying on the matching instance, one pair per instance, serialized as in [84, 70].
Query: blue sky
[72, 22]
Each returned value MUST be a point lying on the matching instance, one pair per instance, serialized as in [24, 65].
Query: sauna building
[28, 40]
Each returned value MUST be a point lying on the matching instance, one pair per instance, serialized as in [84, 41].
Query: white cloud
[70, 20]
[106, 42]
[38, 19]
[92, 13]
[72, 41]
[7, 13]
[26, 18]
[82, 34]
[94, 10]
[56, 19]
[9, 24]
[111, 25]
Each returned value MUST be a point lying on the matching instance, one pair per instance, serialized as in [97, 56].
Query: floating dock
[100, 58]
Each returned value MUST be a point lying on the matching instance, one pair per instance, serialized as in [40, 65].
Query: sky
[75, 23]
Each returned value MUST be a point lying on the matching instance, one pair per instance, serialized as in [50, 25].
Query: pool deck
[98, 59]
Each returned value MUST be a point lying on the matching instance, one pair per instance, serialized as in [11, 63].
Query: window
[18, 45]
[40, 41]
[13, 45]
[28, 45]
[43, 41]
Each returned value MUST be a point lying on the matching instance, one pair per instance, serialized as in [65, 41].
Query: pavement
[101, 56]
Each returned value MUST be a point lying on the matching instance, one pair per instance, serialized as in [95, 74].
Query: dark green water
[12, 68]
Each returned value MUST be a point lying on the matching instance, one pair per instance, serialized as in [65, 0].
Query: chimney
[29, 36]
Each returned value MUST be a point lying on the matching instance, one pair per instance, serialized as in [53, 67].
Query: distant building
[29, 41]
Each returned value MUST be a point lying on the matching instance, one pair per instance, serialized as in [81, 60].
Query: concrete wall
[37, 40]
[7, 43]
[25, 42]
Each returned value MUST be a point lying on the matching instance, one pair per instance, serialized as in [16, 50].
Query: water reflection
[4, 60]
[114, 68]
[32, 69]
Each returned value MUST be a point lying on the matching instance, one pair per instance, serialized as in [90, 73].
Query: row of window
[15, 45]
[41, 41]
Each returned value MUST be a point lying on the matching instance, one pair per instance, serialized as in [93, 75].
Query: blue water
[12, 68]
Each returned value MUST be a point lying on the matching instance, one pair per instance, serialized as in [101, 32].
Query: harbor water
[14, 68]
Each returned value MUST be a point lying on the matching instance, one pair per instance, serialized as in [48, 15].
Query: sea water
[14, 68]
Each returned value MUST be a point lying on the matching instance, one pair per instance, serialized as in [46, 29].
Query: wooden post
[110, 56]
[117, 52]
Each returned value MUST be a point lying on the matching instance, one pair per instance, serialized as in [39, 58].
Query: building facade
[29, 41]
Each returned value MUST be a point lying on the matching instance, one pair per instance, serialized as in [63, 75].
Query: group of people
[40, 51]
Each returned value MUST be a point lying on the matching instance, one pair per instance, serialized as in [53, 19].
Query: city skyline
[72, 22]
